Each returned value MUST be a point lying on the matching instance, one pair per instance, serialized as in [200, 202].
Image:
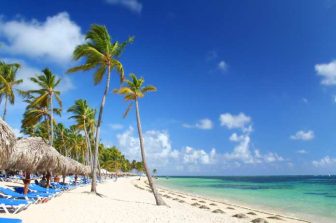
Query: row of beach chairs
[12, 200]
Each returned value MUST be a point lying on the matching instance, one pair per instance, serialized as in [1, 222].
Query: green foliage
[133, 90]
[8, 83]
[100, 53]
[112, 159]
[83, 114]
[39, 103]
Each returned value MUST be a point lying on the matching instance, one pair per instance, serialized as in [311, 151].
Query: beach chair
[8, 193]
[50, 191]
[11, 206]
[61, 186]
[10, 220]
[33, 193]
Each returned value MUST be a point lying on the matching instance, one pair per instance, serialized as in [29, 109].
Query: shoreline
[231, 203]
[266, 215]
[130, 200]
[286, 210]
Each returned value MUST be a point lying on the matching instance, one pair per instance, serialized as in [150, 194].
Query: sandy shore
[129, 200]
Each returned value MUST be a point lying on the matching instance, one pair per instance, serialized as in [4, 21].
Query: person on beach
[43, 182]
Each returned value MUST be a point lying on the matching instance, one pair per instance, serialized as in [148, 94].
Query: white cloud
[222, 66]
[326, 161]
[303, 135]
[116, 126]
[157, 146]
[327, 72]
[234, 121]
[160, 153]
[242, 151]
[302, 151]
[198, 156]
[204, 124]
[272, 157]
[133, 5]
[53, 39]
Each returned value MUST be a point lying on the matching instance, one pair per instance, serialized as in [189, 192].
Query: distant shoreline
[249, 204]
[232, 203]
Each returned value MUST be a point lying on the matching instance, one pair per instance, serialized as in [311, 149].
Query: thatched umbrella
[33, 154]
[50, 162]
[70, 166]
[7, 141]
[28, 153]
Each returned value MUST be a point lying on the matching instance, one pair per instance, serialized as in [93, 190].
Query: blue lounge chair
[33, 193]
[39, 189]
[13, 206]
[62, 186]
[8, 193]
[10, 220]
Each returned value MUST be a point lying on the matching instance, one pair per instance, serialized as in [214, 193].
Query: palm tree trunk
[51, 121]
[88, 145]
[95, 156]
[5, 109]
[99, 168]
[158, 198]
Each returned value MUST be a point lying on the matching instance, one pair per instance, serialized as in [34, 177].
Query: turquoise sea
[311, 198]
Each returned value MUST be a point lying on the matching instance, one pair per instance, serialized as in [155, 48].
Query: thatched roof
[33, 154]
[65, 166]
[7, 141]
[29, 154]
[80, 168]
[50, 161]
[70, 166]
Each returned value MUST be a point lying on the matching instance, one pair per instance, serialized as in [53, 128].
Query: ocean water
[312, 198]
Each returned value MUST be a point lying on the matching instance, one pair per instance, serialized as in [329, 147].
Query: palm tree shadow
[98, 194]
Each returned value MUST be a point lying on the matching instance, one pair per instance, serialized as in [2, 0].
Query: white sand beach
[128, 200]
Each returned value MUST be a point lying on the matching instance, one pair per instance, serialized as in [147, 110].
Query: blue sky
[244, 87]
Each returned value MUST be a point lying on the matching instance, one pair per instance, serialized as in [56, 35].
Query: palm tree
[85, 120]
[60, 141]
[8, 82]
[132, 92]
[76, 144]
[36, 118]
[102, 55]
[43, 97]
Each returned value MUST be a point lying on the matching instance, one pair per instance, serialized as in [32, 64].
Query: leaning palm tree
[44, 96]
[102, 55]
[8, 83]
[132, 92]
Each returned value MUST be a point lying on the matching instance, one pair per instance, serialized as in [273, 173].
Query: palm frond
[99, 74]
[148, 88]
